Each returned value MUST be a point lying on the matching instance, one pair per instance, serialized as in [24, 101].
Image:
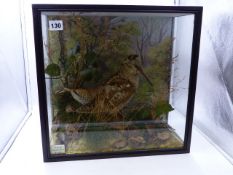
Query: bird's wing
[84, 96]
[119, 91]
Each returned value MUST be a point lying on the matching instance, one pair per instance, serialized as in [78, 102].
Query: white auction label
[55, 25]
[57, 149]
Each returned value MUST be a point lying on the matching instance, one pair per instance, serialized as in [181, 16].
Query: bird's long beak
[139, 68]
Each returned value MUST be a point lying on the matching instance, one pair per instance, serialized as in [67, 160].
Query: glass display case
[112, 79]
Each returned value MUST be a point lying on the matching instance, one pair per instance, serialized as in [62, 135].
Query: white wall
[13, 91]
[213, 107]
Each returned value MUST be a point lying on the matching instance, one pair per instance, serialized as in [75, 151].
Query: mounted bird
[115, 93]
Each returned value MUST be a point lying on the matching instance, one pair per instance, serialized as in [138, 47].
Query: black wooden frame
[38, 8]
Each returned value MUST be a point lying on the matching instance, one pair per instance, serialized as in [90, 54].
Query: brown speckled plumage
[114, 94]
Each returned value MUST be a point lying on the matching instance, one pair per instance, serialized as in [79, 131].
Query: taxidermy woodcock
[115, 93]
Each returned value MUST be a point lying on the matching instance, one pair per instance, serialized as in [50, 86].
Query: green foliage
[144, 91]
[60, 102]
[141, 114]
[162, 52]
[160, 58]
[53, 70]
[163, 107]
[103, 47]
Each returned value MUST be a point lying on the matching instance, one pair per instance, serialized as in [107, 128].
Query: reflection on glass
[108, 80]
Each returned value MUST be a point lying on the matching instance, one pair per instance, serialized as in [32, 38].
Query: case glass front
[114, 81]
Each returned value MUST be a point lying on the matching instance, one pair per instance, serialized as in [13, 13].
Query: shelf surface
[25, 157]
